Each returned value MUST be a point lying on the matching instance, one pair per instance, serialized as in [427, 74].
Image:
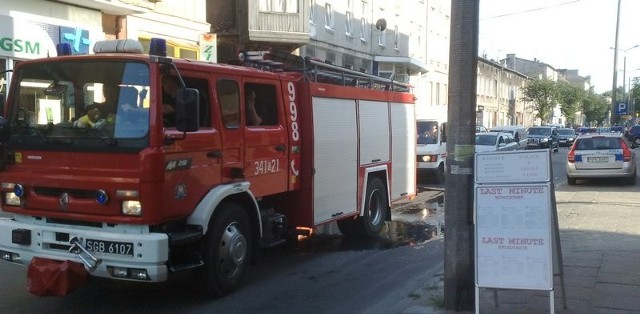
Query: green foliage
[570, 97]
[543, 94]
[634, 93]
[595, 108]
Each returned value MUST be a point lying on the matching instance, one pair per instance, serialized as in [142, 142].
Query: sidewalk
[600, 240]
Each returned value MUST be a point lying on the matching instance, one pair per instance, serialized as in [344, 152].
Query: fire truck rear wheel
[226, 251]
[375, 208]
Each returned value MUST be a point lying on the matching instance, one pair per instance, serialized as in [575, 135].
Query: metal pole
[615, 71]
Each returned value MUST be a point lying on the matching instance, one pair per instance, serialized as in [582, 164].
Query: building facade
[31, 29]
[499, 96]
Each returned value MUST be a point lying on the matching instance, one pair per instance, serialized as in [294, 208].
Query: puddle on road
[412, 225]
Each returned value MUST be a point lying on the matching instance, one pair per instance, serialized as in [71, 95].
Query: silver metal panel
[403, 150]
[335, 158]
[374, 131]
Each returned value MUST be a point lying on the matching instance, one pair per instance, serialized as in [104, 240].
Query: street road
[328, 273]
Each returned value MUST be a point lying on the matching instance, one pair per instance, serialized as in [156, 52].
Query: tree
[569, 96]
[543, 94]
[595, 109]
[634, 95]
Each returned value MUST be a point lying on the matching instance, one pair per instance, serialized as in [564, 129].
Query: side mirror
[187, 109]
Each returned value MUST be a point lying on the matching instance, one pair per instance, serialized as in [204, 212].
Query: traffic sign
[622, 108]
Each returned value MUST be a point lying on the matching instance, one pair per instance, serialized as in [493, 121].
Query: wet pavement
[414, 221]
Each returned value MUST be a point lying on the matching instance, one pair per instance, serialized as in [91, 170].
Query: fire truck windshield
[84, 104]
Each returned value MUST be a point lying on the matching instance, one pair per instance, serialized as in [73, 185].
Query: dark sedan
[566, 136]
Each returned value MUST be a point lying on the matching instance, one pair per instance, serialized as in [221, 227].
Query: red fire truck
[104, 166]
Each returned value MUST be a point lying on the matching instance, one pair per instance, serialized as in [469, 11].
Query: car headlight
[545, 140]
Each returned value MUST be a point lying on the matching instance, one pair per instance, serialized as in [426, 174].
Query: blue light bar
[158, 47]
[63, 49]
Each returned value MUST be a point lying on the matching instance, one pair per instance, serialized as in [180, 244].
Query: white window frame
[329, 21]
[396, 37]
[348, 30]
[278, 6]
[364, 23]
[312, 12]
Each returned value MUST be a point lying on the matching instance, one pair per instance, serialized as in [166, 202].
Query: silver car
[606, 155]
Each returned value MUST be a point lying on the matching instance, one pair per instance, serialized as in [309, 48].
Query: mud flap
[46, 277]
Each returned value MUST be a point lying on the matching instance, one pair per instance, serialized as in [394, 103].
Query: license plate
[109, 247]
[597, 159]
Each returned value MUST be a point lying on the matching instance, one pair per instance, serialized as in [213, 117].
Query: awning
[413, 64]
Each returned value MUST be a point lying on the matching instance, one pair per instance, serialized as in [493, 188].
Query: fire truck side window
[229, 98]
[201, 85]
[261, 104]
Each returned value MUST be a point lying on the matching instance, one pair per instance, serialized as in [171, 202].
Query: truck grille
[56, 192]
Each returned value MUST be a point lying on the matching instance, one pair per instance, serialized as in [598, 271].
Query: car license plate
[597, 159]
[109, 247]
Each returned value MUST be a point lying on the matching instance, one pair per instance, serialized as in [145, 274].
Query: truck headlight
[131, 208]
[11, 198]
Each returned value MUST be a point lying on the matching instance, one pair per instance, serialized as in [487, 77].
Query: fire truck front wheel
[226, 251]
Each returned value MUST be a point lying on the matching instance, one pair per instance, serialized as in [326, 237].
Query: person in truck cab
[253, 118]
[170, 86]
[98, 114]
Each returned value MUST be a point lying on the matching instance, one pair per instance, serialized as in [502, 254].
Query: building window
[348, 30]
[396, 37]
[173, 49]
[382, 36]
[348, 62]
[312, 12]
[364, 27]
[331, 58]
[280, 6]
[328, 17]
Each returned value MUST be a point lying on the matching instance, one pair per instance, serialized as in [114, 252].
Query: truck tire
[226, 250]
[375, 209]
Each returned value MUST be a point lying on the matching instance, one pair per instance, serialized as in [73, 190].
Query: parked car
[618, 128]
[481, 128]
[606, 155]
[542, 137]
[495, 141]
[633, 135]
[519, 133]
[566, 136]
[584, 130]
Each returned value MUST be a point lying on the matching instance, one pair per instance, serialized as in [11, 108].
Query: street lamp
[624, 80]
[614, 115]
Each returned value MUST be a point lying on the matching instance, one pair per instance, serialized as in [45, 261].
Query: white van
[519, 133]
[431, 148]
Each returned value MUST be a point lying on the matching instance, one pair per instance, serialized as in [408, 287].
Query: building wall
[435, 83]
[31, 29]
[499, 96]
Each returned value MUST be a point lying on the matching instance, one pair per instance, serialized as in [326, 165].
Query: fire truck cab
[105, 164]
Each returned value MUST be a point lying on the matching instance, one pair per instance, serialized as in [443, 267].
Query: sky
[565, 34]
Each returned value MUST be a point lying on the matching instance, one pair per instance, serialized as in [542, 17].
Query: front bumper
[52, 241]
